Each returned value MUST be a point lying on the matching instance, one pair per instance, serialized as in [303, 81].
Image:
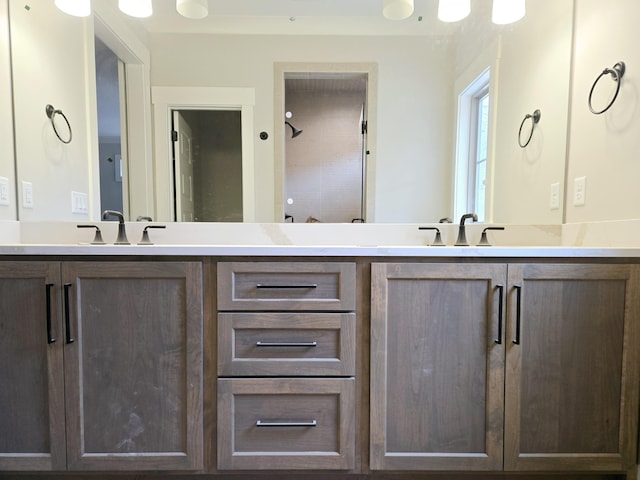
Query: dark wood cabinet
[537, 360]
[128, 395]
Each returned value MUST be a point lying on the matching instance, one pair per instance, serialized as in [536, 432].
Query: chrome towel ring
[51, 112]
[617, 72]
[535, 118]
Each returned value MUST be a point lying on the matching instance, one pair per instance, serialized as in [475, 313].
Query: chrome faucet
[122, 236]
[462, 236]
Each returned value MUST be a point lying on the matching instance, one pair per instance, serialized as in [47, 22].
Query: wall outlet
[4, 191]
[27, 194]
[579, 191]
[79, 203]
[554, 197]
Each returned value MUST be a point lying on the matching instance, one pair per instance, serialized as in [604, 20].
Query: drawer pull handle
[287, 344]
[67, 314]
[518, 289]
[286, 287]
[312, 423]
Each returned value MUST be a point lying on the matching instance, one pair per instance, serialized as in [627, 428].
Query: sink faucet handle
[97, 239]
[483, 238]
[145, 235]
[437, 241]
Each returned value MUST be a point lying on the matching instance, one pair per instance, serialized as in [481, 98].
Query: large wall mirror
[417, 163]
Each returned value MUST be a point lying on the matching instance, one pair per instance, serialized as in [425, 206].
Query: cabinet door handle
[312, 423]
[500, 288]
[287, 344]
[67, 315]
[518, 289]
[260, 285]
[50, 337]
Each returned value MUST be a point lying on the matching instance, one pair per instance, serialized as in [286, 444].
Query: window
[472, 152]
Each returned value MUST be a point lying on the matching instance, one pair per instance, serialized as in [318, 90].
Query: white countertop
[317, 251]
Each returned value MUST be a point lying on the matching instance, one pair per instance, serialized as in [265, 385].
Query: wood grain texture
[331, 334]
[330, 286]
[244, 445]
[572, 379]
[31, 380]
[134, 375]
[436, 372]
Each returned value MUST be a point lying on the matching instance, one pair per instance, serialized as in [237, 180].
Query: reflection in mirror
[207, 153]
[325, 166]
[109, 97]
[411, 172]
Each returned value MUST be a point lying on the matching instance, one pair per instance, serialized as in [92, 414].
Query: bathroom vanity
[342, 362]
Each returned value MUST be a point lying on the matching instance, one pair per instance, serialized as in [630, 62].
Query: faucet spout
[462, 235]
[122, 235]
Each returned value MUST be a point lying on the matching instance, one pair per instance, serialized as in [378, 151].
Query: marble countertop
[318, 251]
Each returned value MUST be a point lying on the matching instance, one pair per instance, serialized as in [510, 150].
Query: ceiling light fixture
[397, 9]
[77, 8]
[136, 8]
[194, 9]
[453, 10]
[507, 11]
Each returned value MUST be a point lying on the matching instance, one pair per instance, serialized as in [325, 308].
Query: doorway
[365, 139]
[207, 162]
[109, 88]
[325, 153]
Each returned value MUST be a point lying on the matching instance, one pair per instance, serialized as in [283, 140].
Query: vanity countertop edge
[320, 251]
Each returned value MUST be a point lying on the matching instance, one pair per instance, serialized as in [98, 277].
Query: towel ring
[535, 118]
[617, 72]
[51, 112]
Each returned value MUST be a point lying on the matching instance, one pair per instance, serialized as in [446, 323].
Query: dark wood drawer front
[286, 424]
[286, 344]
[286, 286]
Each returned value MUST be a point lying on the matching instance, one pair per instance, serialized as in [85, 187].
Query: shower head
[294, 131]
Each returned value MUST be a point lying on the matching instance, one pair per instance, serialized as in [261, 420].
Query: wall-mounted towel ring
[617, 72]
[51, 112]
[535, 118]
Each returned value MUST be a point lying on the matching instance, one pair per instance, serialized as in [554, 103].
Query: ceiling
[296, 17]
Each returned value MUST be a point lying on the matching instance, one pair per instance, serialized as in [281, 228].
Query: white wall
[534, 73]
[605, 148]
[7, 212]
[414, 106]
[51, 61]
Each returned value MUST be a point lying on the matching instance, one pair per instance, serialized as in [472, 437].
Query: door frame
[280, 71]
[167, 99]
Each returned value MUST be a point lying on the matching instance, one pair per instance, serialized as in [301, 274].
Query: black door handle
[50, 337]
[67, 315]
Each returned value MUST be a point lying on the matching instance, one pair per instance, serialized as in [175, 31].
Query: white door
[183, 168]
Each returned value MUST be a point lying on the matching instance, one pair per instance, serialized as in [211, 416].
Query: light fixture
[136, 8]
[194, 9]
[397, 9]
[453, 10]
[77, 8]
[507, 11]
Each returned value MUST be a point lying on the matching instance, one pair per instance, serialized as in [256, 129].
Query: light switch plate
[79, 203]
[554, 198]
[27, 194]
[4, 191]
[579, 191]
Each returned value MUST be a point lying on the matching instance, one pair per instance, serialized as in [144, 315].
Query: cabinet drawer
[286, 424]
[286, 344]
[286, 286]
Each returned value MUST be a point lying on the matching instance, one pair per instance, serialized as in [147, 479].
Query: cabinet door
[572, 367]
[31, 374]
[134, 371]
[437, 366]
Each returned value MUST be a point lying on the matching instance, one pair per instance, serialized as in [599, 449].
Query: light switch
[554, 198]
[579, 191]
[4, 191]
[27, 194]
